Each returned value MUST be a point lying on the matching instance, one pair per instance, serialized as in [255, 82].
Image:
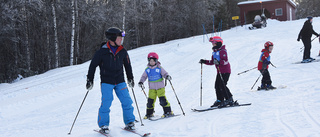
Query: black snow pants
[222, 91]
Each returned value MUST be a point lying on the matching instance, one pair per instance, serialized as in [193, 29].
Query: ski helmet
[309, 17]
[113, 32]
[153, 55]
[268, 44]
[216, 39]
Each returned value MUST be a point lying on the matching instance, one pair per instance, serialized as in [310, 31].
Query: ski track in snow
[46, 104]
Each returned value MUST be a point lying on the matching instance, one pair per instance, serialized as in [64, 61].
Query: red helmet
[216, 39]
[268, 44]
[153, 55]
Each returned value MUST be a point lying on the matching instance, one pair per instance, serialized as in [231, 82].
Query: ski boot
[167, 114]
[230, 102]
[270, 87]
[130, 126]
[306, 60]
[216, 103]
[104, 129]
[149, 114]
[263, 86]
[312, 59]
[222, 104]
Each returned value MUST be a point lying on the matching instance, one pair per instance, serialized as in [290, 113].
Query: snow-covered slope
[46, 104]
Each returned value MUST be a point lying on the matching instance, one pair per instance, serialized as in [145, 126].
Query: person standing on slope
[263, 63]
[111, 58]
[220, 60]
[305, 34]
[155, 74]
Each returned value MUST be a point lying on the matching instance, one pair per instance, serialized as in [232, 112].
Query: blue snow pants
[122, 93]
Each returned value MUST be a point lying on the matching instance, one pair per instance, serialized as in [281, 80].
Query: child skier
[220, 60]
[155, 74]
[264, 61]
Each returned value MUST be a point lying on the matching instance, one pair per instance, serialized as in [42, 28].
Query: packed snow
[46, 104]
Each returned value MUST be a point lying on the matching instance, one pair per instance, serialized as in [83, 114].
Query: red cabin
[281, 10]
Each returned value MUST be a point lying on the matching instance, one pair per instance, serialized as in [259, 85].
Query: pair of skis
[213, 108]
[131, 131]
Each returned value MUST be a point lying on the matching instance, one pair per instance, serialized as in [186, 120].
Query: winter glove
[215, 61]
[298, 39]
[168, 77]
[202, 61]
[131, 83]
[140, 84]
[89, 84]
[265, 64]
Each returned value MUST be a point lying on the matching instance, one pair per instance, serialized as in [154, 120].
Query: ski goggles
[122, 34]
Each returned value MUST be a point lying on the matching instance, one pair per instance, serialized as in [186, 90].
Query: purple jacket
[154, 85]
[221, 53]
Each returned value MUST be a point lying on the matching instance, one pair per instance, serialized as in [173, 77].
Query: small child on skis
[155, 74]
[220, 60]
[264, 61]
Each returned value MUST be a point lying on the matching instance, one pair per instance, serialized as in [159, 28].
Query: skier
[155, 74]
[305, 34]
[220, 60]
[263, 63]
[111, 58]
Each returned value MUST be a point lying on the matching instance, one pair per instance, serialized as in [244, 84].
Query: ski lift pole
[177, 97]
[201, 87]
[204, 32]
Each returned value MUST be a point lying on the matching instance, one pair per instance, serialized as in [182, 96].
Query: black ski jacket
[111, 65]
[307, 31]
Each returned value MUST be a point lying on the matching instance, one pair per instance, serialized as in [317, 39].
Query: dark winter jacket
[307, 31]
[111, 65]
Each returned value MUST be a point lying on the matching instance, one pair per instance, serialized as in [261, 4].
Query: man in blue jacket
[305, 34]
[111, 58]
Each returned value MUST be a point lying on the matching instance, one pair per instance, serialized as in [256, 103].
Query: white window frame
[279, 10]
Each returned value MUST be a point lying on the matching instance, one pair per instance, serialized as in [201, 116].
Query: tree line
[39, 35]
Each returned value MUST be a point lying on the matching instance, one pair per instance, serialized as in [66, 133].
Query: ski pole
[314, 39]
[142, 87]
[134, 96]
[257, 79]
[78, 112]
[273, 65]
[176, 97]
[246, 71]
[201, 87]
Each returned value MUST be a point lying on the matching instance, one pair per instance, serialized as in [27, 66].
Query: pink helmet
[216, 39]
[153, 55]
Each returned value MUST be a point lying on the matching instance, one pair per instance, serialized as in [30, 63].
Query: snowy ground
[46, 104]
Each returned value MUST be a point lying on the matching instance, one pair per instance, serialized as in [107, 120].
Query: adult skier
[220, 60]
[305, 34]
[111, 58]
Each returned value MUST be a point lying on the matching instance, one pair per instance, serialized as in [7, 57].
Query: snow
[261, 1]
[254, 1]
[46, 104]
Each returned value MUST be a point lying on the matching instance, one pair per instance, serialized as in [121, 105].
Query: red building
[281, 10]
